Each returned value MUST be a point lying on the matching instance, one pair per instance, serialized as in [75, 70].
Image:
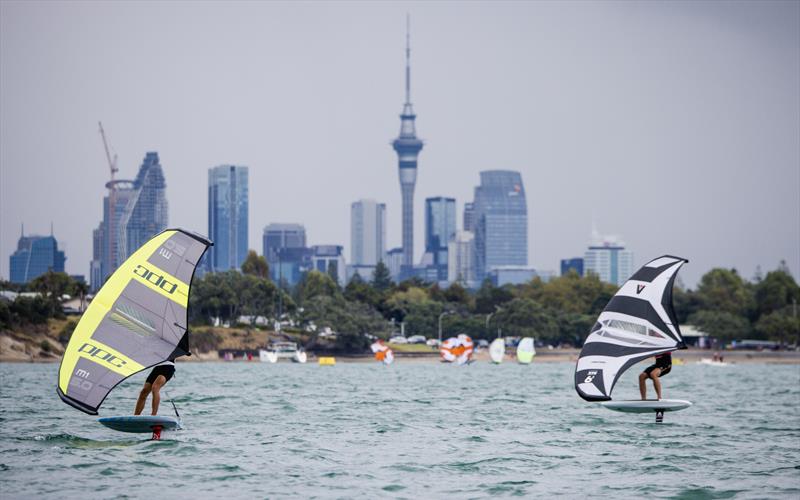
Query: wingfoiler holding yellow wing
[137, 320]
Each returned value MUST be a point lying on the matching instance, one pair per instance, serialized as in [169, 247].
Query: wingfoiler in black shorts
[664, 369]
[167, 370]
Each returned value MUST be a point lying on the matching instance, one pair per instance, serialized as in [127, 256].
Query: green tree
[333, 272]
[359, 291]
[315, 283]
[401, 302]
[382, 278]
[489, 296]
[525, 318]
[724, 290]
[212, 297]
[776, 291]
[457, 294]
[782, 326]
[53, 286]
[257, 296]
[723, 325]
[255, 265]
[350, 320]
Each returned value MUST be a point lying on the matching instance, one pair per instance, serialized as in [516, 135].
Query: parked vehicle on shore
[416, 339]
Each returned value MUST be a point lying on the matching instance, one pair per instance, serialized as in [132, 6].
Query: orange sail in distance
[457, 350]
[382, 352]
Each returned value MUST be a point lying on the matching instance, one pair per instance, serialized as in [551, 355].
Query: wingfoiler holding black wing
[638, 322]
[137, 320]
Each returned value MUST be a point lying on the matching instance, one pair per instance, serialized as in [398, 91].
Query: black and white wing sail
[638, 322]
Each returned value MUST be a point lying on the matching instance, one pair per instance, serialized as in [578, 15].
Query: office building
[440, 228]
[395, 262]
[329, 259]
[608, 259]
[35, 256]
[290, 264]
[511, 275]
[469, 217]
[284, 247]
[461, 259]
[500, 221]
[575, 263]
[227, 217]
[367, 232]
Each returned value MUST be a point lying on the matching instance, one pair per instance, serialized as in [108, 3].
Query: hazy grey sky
[675, 125]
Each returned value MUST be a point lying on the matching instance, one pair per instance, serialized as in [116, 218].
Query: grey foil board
[140, 423]
[647, 406]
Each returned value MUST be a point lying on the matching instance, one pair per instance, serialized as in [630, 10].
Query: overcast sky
[674, 125]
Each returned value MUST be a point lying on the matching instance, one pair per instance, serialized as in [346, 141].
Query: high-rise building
[284, 247]
[469, 217]
[227, 217]
[575, 263]
[461, 259]
[511, 275]
[440, 228]
[367, 232]
[608, 259]
[133, 212]
[290, 264]
[500, 221]
[394, 261]
[35, 256]
[149, 214]
[329, 259]
[408, 146]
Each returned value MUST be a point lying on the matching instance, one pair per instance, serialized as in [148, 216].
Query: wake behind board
[659, 406]
[141, 424]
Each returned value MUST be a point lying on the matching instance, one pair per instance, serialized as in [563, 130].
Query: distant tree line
[51, 287]
[560, 311]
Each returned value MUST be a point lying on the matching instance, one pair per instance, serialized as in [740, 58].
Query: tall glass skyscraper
[35, 256]
[148, 214]
[440, 228]
[227, 216]
[500, 221]
[140, 210]
[367, 232]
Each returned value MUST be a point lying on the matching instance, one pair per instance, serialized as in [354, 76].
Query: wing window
[628, 326]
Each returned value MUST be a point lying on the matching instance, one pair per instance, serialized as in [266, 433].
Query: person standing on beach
[661, 367]
[160, 375]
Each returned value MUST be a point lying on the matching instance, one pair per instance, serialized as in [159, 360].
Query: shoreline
[690, 356]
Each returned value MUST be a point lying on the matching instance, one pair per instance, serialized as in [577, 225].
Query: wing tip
[75, 403]
[191, 234]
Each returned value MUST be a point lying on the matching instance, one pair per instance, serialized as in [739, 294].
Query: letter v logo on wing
[639, 289]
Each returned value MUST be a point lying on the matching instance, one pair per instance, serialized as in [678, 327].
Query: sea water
[413, 429]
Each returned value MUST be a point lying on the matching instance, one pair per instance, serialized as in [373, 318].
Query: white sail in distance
[497, 350]
[638, 322]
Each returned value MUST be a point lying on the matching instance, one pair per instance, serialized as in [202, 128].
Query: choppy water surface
[410, 430]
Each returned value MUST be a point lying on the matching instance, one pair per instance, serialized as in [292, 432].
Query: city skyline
[591, 125]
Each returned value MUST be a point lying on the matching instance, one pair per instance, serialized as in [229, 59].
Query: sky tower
[408, 147]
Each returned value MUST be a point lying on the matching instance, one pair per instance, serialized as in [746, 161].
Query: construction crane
[112, 164]
[112, 204]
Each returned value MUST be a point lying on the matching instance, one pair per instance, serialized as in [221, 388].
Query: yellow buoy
[327, 361]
